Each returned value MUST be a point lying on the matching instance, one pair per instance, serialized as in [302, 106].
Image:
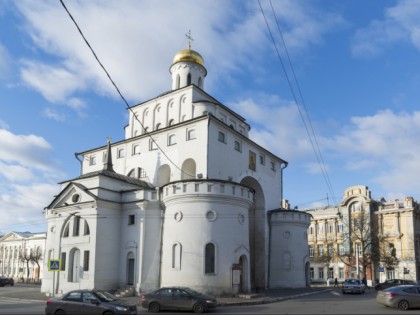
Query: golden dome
[188, 55]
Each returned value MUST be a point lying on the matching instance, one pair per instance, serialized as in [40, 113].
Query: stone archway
[257, 236]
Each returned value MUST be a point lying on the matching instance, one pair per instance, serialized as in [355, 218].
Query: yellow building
[363, 237]
[399, 233]
[340, 238]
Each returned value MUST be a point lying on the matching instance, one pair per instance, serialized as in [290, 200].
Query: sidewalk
[33, 293]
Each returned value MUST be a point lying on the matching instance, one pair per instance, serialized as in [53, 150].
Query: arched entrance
[243, 263]
[257, 236]
[74, 265]
[130, 268]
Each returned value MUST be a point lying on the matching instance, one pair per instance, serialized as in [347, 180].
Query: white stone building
[17, 245]
[185, 199]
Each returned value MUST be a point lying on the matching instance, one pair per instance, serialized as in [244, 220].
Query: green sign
[54, 264]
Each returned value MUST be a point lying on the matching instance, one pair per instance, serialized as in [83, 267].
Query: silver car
[353, 286]
[402, 297]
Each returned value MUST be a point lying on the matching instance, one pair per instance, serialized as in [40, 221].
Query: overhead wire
[318, 152]
[312, 138]
[119, 92]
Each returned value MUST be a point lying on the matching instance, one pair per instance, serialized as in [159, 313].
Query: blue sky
[357, 64]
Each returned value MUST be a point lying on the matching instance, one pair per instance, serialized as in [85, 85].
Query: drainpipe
[269, 248]
[76, 155]
[282, 167]
[162, 205]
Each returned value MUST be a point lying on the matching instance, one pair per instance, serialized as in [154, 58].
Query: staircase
[124, 292]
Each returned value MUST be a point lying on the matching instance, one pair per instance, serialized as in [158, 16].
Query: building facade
[399, 232]
[362, 237]
[184, 199]
[22, 256]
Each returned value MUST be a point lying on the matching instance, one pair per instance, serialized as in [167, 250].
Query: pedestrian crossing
[12, 301]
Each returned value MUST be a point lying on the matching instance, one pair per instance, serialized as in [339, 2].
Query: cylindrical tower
[206, 236]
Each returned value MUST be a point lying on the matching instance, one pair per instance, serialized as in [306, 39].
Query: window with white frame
[152, 145]
[330, 227]
[341, 273]
[190, 134]
[121, 153]
[311, 272]
[340, 227]
[330, 249]
[311, 251]
[321, 228]
[311, 229]
[136, 149]
[92, 160]
[320, 250]
[341, 249]
[320, 273]
[222, 137]
[238, 146]
[331, 273]
[262, 159]
[273, 166]
[171, 139]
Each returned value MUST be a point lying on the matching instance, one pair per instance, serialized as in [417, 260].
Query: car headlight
[121, 308]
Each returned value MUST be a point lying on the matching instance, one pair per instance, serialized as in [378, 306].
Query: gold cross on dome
[189, 39]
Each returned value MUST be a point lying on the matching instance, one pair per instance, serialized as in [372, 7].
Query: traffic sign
[54, 264]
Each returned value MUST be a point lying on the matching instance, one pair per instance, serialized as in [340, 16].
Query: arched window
[210, 259]
[171, 139]
[66, 230]
[191, 134]
[176, 256]
[178, 80]
[74, 265]
[189, 79]
[86, 230]
[200, 83]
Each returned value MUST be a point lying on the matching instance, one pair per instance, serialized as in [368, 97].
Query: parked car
[402, 297]
[6, 281]
[353, 286]
[392, 283]
[177, 298]
[89, 302]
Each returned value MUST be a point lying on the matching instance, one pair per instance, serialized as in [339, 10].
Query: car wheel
[344, 292]
[403, 305]
[154, 307]
[60, 312]
[198, 308]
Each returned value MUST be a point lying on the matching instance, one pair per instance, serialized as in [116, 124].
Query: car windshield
[105, 296]
[352, 281]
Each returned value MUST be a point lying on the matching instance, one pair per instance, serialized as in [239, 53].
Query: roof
[111, 174]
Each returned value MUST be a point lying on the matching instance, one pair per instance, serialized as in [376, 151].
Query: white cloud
[133, 51]
[401, 23]
[55, 84]
[30, 200]
[28, 178]
[54, 114]
[28, 150]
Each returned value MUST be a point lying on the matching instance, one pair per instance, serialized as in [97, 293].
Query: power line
[312, 138]
[118, 90]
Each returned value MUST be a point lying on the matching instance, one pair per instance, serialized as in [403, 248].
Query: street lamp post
[357, 262]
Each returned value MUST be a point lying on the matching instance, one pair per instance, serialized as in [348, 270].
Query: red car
[6, 281]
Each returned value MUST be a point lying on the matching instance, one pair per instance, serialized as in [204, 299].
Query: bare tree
[36, 257]
[25, 257]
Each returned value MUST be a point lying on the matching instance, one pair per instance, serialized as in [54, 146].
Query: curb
[271, 300]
